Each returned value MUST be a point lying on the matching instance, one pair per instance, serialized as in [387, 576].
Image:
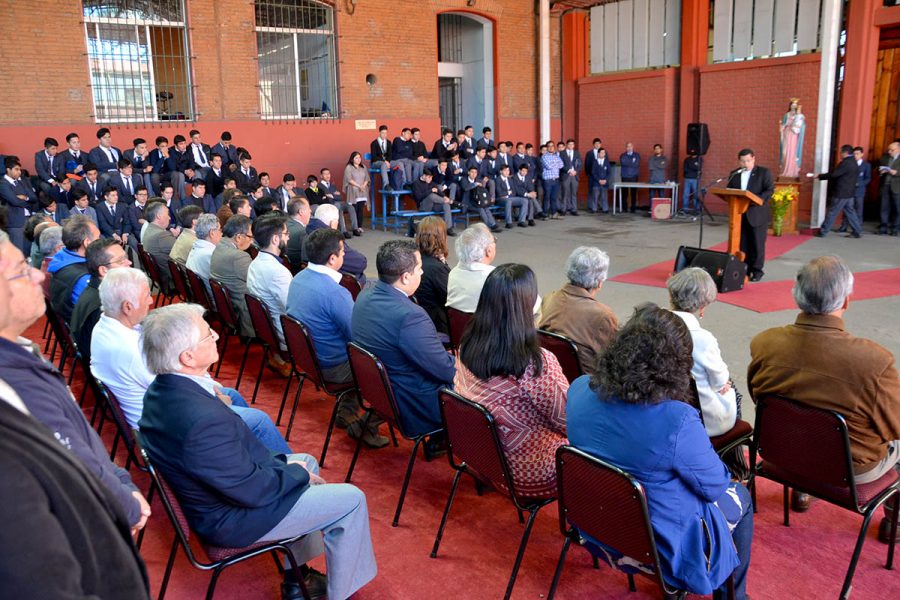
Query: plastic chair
[474, 448]
[599, 500]
[217, 557]
[808, 449]
[457, 320]
[377, 398]
[230, 325]
[566, 353]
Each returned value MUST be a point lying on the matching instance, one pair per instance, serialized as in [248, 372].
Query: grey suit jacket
[158, 243]
[229, 266]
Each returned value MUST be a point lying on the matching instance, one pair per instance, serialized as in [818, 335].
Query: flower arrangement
[781, 203]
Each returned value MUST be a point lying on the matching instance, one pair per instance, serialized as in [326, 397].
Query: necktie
[128, 186]
[93, 191]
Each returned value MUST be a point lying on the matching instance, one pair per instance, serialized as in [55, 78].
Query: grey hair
[822, 286]
[691, 289]
[120, 286]
[51, 240]
[166, 333]
[587, 267]
[205, 225]
[327, 213]
[472, 244]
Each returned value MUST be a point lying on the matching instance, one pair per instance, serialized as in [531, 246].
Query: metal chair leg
[287, 389]
[890, 559]
[559, 568]
[296, 570]
[237, 383]
[595, 561]
[409, 468]
[165, 581]
[787, 506]
[262, 365]
[631, 586]
[330, 430]
[860, 540]
[287, 434]
[212, 583]
[521, 516]
[393, 435]
[225, 336]
[521, 553]
[440, 533]
[358, 444]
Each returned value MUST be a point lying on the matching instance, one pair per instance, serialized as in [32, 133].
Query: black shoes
[435, 446]
[509, 225]
[800, 502]
[347, 235]
[495, 228]
[357, 232]
[521, 224]
[370, 436]
[316, 584]
[756, 276]
[820, 233]
[531, 222]
[855, 234]
[451, 232]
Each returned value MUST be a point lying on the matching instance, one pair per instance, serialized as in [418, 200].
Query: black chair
[231, 326]
[808, 449]
[377, 398]
[565, 351]
[474, 448]
[599, 500]
[217, 558]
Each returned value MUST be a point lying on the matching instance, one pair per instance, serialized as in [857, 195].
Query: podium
[738, 202]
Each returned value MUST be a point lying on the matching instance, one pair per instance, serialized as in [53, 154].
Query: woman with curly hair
[633, 413]
[502, 366]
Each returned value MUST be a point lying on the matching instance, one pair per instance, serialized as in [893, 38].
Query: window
[138, 57]
[635, 34]
[297, 72]
[748, 29]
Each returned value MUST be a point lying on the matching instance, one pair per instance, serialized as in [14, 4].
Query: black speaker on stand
[726, 270]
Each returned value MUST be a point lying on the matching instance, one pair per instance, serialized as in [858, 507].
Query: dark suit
[228, 500]
[598, 191]
[215, 184]
[60, 215]
[125, 186]
[47, 170]
[355, 262]
[246, 182]
[61, 197]
[111, 223]
[98, 157]
[229, 155]
[507, 195]
[212, 204]
[15, 210]
[139, 165]
[843, 178]
[863, 179]
[70, 161]
[294, 250]
[569, 183]
[755, 221]
[400, 333]
[94, 191]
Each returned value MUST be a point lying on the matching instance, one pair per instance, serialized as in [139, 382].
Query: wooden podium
[738, 202]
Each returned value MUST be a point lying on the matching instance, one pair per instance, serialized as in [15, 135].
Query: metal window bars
[139, 60]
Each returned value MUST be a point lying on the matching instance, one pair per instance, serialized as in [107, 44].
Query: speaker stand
[701, 198]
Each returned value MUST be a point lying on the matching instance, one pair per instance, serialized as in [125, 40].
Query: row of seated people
[402, 335]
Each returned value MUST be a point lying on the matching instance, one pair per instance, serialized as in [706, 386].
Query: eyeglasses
[117, 261]
[211, 335]
[24, 270]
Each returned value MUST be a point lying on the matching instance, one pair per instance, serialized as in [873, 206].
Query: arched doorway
[466, 70]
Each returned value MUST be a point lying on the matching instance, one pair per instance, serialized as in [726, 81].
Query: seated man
[116, 358]
[68, 267]
[49, 207]
[81, 205]
[429, 197]
[158, 239]
[469, 185]
[209, 234]
[187, 216]
[400, 333]
[573, 310]
[111, 216]
[256, 495]
[355, 262]
[316, 195]
[90, 184]
[523, 187]
[43, 388]
[506, 194]
[102, 255]
[817, 362]
[334, 196]
[245, 175]
[267, 278]
[318, 300]
[125, 181]
[298, 218]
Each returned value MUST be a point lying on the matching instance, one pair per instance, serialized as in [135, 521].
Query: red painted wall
[743, 103]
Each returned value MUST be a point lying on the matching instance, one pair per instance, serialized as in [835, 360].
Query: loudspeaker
[726, 270]
[697, 139]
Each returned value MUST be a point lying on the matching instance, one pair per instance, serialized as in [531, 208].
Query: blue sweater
[325, 307]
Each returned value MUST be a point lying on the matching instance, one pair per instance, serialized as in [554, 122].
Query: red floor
[807, 560]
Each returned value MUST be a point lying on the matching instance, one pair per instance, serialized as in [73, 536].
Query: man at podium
[754, 222]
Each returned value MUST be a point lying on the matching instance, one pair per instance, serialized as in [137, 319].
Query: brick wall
[743, 104]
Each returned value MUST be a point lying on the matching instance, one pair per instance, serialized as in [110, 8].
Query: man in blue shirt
[317, 299]
[551, 164]
[631, 166]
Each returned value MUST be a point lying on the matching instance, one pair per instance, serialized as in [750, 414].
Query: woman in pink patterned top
[502, 366]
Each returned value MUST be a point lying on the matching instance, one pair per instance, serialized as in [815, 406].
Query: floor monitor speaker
[727, 271]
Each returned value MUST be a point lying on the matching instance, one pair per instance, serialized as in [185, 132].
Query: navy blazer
[180, 161]
[15, 206]
[118, 181]
[863, 179]
[575, 163]
[159, 162]
[47, 170]
[520, 188]
[599, 171]
[400, 333]
[109, 223]
[229, 155]
[93, 195]
[69, 162]
[232, 488]
[137, 162]
[61, 214]
[98, 157]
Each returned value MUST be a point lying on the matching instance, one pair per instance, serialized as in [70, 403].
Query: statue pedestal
[789, 224]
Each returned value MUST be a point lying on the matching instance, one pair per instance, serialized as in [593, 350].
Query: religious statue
[792, 127]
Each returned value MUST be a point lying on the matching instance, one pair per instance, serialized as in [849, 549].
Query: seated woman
[690, 292]
[502, 366]
[632, 413]
[431, 295]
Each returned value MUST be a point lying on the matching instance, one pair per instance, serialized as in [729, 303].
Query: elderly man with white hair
[476, 249]
[209, 233]
[233, 490]
[355, 262]
[116, 358]
[574, 311]
[816, 361]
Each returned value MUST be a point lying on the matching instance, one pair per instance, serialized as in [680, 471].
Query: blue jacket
[862, 181]
[631, 165]
[63, 259]
[665, 447]
[399, 332]
[355, 262]
[324, 306]
[232, 488]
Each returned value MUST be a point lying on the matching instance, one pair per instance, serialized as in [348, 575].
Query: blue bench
[397, 218]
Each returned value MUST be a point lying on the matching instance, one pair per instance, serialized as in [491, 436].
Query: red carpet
[807, 560]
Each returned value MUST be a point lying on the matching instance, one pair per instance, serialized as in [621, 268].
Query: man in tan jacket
[817, 362]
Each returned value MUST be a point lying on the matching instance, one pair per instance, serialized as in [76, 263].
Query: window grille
[635, 34]
[748, 29]
[139, 60]
[297, 68]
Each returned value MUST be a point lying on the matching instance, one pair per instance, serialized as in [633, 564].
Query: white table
[669, 185]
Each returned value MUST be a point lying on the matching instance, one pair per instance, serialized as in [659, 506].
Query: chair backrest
[605, 503]
[198, 290]
[122, 425]
[253, 251]
[262, 322]
[457, 320]
[224, 307]
[473, 442]
[810, 445]
[566, 353]
[351, 284]
[181, 288]
[151, 267]
[374, 385]
[302, 350]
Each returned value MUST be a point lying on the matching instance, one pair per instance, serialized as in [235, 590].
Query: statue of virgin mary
[793, 125]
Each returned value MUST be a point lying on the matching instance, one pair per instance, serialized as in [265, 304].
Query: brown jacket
[815, 361]
[572, 312]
